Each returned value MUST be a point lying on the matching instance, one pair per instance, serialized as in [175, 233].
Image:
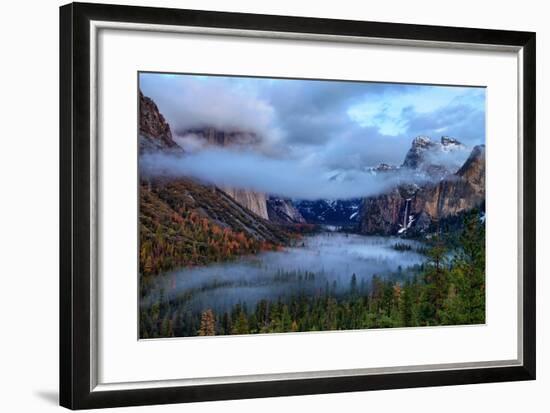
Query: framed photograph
[257, 206]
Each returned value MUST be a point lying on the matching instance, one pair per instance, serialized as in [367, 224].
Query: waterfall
[407, 221]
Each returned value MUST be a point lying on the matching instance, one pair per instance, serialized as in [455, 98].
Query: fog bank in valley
[333, 258]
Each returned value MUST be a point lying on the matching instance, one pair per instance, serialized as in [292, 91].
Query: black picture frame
[75, 219]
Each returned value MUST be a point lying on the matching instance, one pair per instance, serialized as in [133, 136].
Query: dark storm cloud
[315, 112]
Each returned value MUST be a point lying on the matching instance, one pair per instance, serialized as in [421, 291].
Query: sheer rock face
[254, 201]
[216, 137]
[415, 156]
[473, 169]
[415, 208]
[154, 131]
[283, 211]
[381, 214]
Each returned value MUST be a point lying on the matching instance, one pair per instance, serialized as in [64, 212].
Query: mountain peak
[478, 151]
[414, 156]
[154, 130]
[425, 154]
[475, 164]
[422, 141]
[449, 141]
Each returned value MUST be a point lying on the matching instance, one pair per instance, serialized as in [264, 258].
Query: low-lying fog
[325, 260]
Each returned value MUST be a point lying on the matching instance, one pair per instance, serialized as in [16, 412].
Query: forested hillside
[183, 223]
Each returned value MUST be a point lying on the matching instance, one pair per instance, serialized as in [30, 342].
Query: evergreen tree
[353, 285]
[208, 324]
[241, 324]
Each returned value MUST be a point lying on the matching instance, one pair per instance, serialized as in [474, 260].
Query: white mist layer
[332, 257]
[290, 178]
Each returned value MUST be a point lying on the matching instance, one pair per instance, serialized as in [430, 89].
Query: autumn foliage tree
[208, 323]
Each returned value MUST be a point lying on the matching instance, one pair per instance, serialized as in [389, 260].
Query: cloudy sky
[313, 127]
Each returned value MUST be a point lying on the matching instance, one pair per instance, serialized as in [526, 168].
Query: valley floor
[331, 281]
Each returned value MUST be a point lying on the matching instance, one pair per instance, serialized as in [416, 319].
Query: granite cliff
[154, 130]
[282, 211]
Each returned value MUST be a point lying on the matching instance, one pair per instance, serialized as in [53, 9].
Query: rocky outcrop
[282, 211]
[383, 214]
[154, 131]
[414, 208]
[436, 159]
[254, 201]
[415, 156]
[473, 169]
[223, 138]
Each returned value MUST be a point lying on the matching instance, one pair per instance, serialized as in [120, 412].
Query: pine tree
[353, 285]
[241, 324]
[166, 327]
[208, 323]
[226, 323]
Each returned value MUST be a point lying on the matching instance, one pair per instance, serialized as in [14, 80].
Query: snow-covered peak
[449, 141]
[450, 144]
[438, 159]
[422, 141]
